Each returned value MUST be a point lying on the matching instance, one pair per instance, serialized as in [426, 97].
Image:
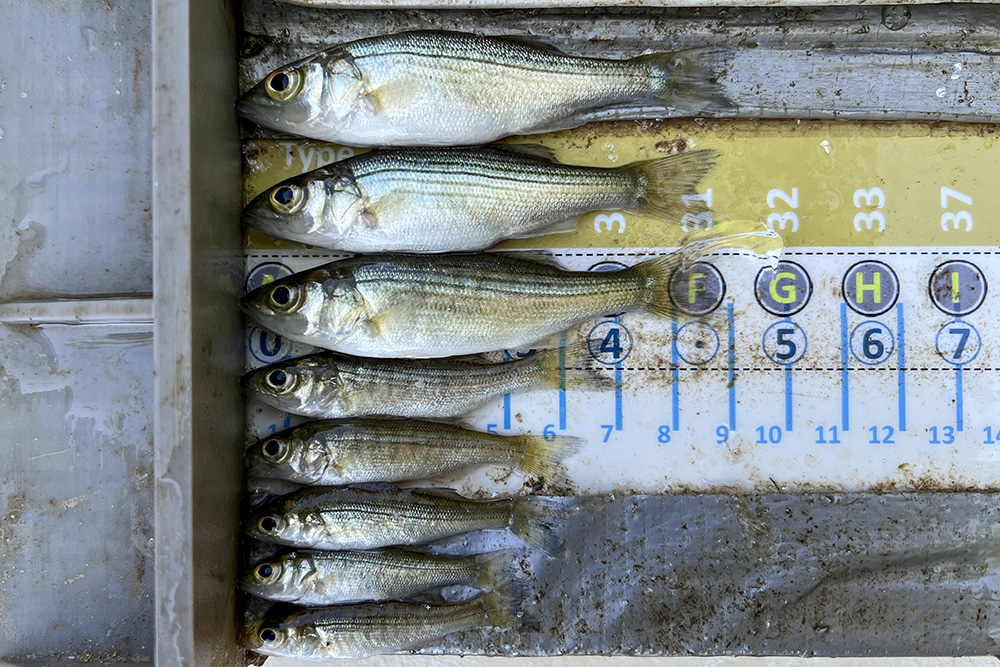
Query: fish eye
[277, 379]
[283, 85]
[268, 524]
[268, 635]
[287, 199]
[273, 449]
[283, 297]
[264, 571]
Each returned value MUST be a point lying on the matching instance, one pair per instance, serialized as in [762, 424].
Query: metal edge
[557, 4]
[197, 268]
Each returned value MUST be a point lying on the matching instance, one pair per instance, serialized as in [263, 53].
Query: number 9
[722, 433]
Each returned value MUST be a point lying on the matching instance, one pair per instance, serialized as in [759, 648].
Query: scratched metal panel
[921, 62]
[839, 575]
[849, 575]
[76, 528]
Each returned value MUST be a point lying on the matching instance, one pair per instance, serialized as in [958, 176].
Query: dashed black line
[786, 253]
[780, 369]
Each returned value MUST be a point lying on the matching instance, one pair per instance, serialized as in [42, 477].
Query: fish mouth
[245, 109]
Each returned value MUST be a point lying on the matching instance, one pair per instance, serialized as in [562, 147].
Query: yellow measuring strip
[819, 183]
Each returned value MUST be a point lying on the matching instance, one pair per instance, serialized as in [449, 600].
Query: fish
[425, 306]
[361, 631]
[341, 452]
[330, 385]
[461, 199]
[370, 518]
[320, 578]
[436, 88]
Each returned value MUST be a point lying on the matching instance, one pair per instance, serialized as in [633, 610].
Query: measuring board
[866, 359]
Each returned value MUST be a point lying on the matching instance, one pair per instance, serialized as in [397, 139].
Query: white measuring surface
[866, 360]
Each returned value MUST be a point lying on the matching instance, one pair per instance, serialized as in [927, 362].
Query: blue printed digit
[612, 343]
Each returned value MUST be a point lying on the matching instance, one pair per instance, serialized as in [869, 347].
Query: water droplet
[958, 71]
[89, 37]
[1, 133]
[613, 157]
[826, 146]
[895, 17]
[940, 92]
[24, 95]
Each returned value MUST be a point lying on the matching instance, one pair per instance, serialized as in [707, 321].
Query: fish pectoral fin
[369, 103]
[389, 96]
[562, 227]
[367, 218]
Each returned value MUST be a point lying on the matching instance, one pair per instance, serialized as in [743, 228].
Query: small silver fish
[456, 199]
[320, 578]
[421, 306]
[458, 89]
[361, 518]
[334, 385]
[341, 452]
[362, 631]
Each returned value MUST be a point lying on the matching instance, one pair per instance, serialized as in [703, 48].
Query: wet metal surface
[762, 575]
[76, 497]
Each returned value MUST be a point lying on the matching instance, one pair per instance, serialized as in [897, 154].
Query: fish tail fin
[543, 455]
[656, 274]
[663, 182]
[569, 367]
[688, 80]
[746, 238]
[494, 570]
[537, 521]
[503, 605]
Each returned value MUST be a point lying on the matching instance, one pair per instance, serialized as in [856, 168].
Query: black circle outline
[809, 284]
[843, 287]
[718, 342]
[670, 289]
[631, 341]
[784, 364]
[937, 348]
[850, 340]
[930, 287]
[253, 271]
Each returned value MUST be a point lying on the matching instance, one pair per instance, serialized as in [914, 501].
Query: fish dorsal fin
[450, 494]
[532, 43]
[531, 150]
[538, 256]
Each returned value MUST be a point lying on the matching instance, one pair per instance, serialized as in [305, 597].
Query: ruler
[866, 360]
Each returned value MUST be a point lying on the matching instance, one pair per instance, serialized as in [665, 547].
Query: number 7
[608, 428]
[963, 339]
[947, 192]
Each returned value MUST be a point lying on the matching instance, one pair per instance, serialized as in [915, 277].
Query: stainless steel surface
[76, 534]
[198, 335]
